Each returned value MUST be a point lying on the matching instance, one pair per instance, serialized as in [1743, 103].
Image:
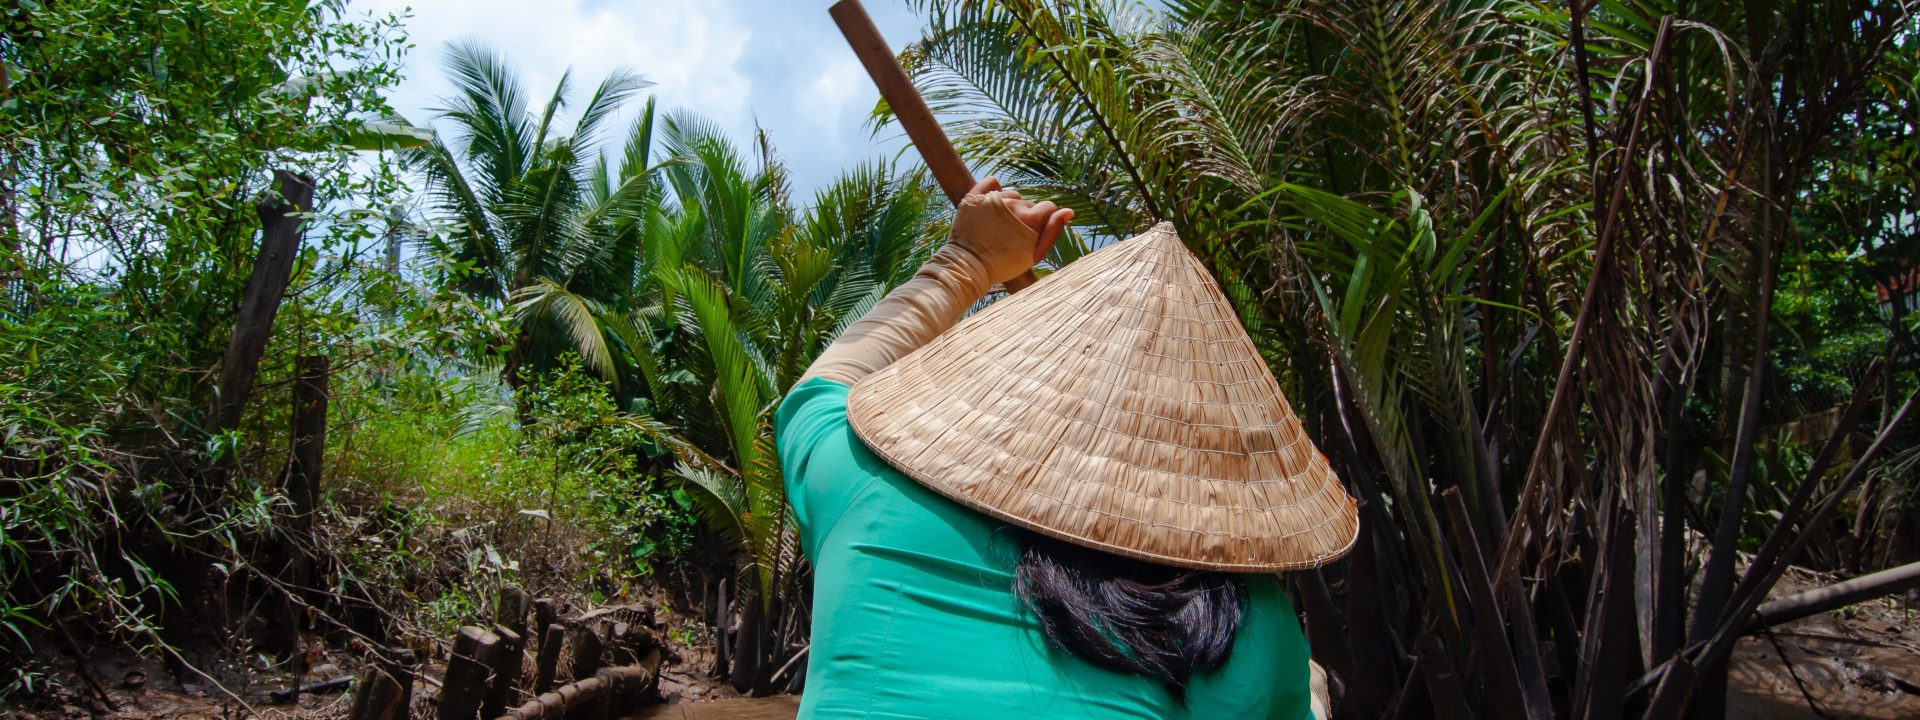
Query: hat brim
[1117, 404]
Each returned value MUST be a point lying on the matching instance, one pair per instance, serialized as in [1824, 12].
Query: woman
[1047, 532]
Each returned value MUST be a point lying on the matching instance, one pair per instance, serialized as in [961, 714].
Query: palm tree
[537, 220]
[685, 281]
[1509, 255]
[741, 299]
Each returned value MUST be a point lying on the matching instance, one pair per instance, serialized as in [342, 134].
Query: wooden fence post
[300, 483]
[587, 650]
[280, 231]
[548, 661]
[311, 390]
[310, 393]
[385, 689]
[511, 609]
[545, 612]
[506, 672]
[465, 687]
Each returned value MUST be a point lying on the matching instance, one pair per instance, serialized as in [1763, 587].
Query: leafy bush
[441, 494]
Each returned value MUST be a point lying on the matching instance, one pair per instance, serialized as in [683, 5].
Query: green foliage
[1522, 251]
[681, 276]
[572, 388]
[566, 492]
[134, 142]
[534, 219]
[590, 456]
[137, 138]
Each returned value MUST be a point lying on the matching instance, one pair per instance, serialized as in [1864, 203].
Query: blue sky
[737, 62]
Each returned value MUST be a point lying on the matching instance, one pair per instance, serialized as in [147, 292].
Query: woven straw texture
[1117, 404]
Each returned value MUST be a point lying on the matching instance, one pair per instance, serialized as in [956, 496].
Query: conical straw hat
[1117, 404]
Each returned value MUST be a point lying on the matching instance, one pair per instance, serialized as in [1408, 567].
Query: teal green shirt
[914, 614]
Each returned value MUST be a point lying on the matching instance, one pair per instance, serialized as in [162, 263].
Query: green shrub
[441, 494]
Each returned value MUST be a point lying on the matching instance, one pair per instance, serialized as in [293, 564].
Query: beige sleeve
[1322, 705]
[988, 245]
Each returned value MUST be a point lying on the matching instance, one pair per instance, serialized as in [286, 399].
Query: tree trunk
[749, 652]
[280, 232]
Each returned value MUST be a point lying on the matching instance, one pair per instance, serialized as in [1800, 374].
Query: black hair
[1162, 622]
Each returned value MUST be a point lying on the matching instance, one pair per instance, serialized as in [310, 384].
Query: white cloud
[777, 62]
[689, 50]
[842, 82]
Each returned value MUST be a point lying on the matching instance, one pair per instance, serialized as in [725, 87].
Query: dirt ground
[1861, 662]
[119, 685]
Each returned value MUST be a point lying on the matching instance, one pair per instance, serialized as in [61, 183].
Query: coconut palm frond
[489, 107]
[580, 316]
[614, 91]
[719, 498]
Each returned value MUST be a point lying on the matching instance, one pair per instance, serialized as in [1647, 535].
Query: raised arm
[996, 236]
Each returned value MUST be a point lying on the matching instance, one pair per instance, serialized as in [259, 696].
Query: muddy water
[1863, 662]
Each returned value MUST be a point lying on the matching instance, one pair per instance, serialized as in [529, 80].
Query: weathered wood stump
[511, 609]
[548, 661]
[587, 652]
[465, 689]
[506, 672]
[385, 689]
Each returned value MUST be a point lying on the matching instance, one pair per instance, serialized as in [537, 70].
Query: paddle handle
[910, 109]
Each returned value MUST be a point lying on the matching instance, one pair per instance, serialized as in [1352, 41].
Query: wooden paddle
[908, 107]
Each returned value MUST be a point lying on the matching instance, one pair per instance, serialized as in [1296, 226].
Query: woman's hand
[1005, 233]
[996, 237]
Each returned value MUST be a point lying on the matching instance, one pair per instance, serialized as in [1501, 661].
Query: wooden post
[506, 672]
[548, 661]
[545, 612]
[280, 231]
[302, 487]
[310, 393]
[300, 484]
[587, 649]
[385, 689]
[465, 688]
[511, 609]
